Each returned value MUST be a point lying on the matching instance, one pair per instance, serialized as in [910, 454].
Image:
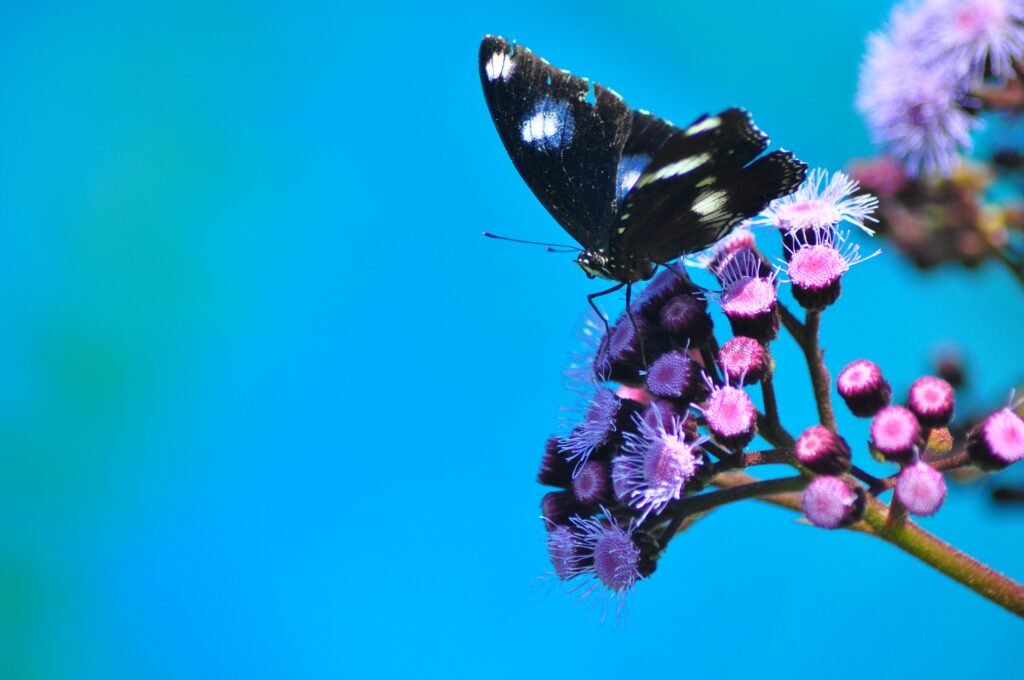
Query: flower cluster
[926, 84]
[666, 432]
[919, 82]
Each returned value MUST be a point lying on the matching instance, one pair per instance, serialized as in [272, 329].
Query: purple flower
[563, 551]
[831, 502]
[598, 426]
[610, 554]
[822, 450]
[932, 401]
[730, 415]
[863, 388]
[913, 110]
[666, 284]
[743, 360]
[997, 441]
[921, 489]
[686, 320]
[818, 258]
[556, 507]
[673, 376]
[619, 355]
[555, 470]
[592, 484]
[748, 296]
[715, 257]
[895, 433]
[655, 464]
[967, 35]
[814, 206]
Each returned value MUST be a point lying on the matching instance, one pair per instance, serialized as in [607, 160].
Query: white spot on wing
[709, 202]
[549, 126]
[628, 172]
[706, 124]
[675, 169]
[499, 66]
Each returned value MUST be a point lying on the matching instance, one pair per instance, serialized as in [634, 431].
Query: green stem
[913, 540]
[959, 566]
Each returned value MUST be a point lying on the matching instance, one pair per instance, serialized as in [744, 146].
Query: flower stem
[957, 460]
[735, 486]
[771, 426]
[730, 494]
[959, 566]
[906, 536]
[792, 324]
[820, 378]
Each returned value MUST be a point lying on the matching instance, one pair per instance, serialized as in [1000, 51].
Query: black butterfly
[634, 190]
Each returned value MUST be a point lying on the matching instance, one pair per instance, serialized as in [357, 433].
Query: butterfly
[634, 190]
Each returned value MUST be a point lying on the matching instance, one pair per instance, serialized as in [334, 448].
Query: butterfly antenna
[561, 248]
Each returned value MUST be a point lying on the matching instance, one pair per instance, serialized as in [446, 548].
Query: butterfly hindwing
[566, 149]
[700, 184]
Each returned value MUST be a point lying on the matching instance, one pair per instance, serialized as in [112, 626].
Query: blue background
[271, 407]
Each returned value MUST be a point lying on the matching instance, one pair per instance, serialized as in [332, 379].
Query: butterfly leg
[600, 314]
[636, 329]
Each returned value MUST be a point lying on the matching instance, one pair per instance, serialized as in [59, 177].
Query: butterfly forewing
[566, 149]
[631, 188]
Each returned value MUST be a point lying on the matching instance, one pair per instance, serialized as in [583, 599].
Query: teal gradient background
[270, 407]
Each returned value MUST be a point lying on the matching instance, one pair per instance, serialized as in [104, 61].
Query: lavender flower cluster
[669, 415]
[926, 84]
[921, 79]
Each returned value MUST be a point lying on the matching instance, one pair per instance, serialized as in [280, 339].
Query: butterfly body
[625, 268]
[633, 190]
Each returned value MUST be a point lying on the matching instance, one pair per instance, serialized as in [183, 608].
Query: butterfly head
[599, 264]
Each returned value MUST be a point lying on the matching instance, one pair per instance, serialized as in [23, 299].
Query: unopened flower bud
[997, 441]
[863, 388]
[932, 400]
[832, 502]
[743, 360]
[822, 450]
[674, 375]
[921, 489]
[895, 432]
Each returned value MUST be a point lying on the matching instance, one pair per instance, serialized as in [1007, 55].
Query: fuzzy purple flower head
[997, 441]
[731, 416]
[820, 203]
[818, 259]
[655, 464]
[921, 488]
[970, 36]
[749, 298]
[614, 557]
[598, 426]
[913, 110]
[831, 502]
